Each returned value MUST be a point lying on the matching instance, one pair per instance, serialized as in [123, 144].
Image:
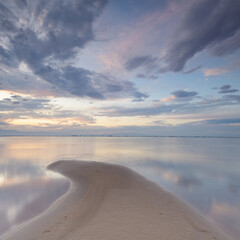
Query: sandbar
[108, 201]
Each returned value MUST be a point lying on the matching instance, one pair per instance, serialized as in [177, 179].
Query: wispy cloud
[205, 25]
[227, 89]
[42, 40]
[184, 94]
[192, 70]
[19, 110]
[140, 61]
[215, 71]
[224, 121]
[176, 105]
[40, 34]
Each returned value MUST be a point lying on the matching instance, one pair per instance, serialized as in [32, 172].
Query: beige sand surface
[112, 202]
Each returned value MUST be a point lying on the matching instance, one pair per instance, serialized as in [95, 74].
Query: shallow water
[205, 172]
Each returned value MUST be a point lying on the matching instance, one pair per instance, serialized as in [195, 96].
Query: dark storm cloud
[227, 89]
[139, 61]
[183, 94]
[208, 24]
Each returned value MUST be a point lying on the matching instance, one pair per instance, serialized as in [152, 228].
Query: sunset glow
[129, 67]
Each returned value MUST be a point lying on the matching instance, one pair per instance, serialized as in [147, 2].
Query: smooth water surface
[205, 172]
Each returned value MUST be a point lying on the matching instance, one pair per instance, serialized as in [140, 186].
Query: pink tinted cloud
[168, 99]
[215, 71]
[234, 65]
[142, 36]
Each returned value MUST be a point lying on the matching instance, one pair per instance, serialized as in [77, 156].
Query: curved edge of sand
[109, 201]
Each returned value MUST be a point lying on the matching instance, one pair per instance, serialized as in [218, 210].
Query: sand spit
[112, 202]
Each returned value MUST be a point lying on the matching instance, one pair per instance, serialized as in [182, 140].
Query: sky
[120, 67]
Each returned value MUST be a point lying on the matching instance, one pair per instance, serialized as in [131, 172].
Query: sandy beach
[108, 201]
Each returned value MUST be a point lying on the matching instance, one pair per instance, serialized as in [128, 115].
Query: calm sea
[205, 172]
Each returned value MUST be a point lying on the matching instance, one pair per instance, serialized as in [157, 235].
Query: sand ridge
[108, 201]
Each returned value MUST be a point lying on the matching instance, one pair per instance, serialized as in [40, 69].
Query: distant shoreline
[122, 136]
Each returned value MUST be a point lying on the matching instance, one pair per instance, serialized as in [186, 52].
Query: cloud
[192, 70]
[4, 123]
[38, 112]
[184, 94]
[168, 99]
[43, 41]
[18, 103]
[180, 95]
[224, 121]
[45, 45]
[215, 71]
[206, 25]
[227, 89]
[235, 98]
[5, 132]
[142, 111]
[228, 46]
[56, 28]
[178, 104]
[140, 75]
[139, 61]
[234, 65]
[76, 81]
[140, 97]
[144, 76]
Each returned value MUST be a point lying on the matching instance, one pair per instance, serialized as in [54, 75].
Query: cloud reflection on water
[202, 171]
[227, 216]
[201, 185]
[25, 191]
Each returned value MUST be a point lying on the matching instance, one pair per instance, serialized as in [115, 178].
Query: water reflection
[212, 189]
[25, 191]
[205, 172]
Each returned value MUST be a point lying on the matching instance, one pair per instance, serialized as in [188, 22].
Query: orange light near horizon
[121, 121]
[33, 122]
[8, 94]
[49, 122]
[5, 94]
[39, 94]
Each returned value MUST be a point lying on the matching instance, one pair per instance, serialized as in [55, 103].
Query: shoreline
[107, 201]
